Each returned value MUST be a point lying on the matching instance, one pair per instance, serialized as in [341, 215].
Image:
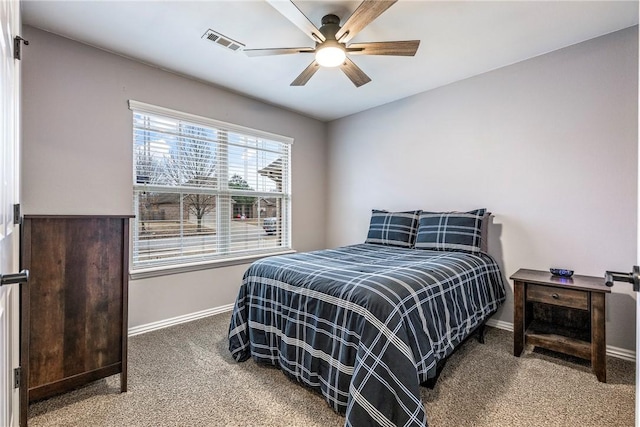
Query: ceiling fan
[331, 40]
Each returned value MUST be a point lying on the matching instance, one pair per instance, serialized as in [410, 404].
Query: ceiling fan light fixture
[331, 40]
[330, 54]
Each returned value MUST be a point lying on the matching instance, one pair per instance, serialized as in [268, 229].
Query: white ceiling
[458, 40]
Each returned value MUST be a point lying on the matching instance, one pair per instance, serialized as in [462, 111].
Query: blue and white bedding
[366, 324]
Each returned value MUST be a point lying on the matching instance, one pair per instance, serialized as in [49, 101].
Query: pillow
[450, 231]
[393, 228]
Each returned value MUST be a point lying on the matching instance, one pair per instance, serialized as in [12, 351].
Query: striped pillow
[393, 228]
[450, 231]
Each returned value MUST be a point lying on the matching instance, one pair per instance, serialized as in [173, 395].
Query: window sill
[206, 265]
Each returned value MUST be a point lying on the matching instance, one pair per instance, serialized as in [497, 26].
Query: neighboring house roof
[273, 170]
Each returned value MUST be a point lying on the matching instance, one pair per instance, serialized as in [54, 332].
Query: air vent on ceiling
[222, 40]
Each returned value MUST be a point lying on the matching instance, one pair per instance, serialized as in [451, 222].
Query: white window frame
[223, 259]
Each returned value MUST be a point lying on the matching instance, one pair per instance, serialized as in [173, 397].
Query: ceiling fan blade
[355, 74]
[398, 48]
[306, 74]
[363, 16]
[278, 51]
[290, 11]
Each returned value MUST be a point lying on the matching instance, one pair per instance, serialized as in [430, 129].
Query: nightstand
[566, 315]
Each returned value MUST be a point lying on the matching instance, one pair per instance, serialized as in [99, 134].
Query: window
[205, 190]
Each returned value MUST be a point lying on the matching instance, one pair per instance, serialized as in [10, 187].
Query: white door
[638, 295]
[9, 187]
[638, 302]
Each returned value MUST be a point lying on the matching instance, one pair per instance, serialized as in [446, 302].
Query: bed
[367, 324]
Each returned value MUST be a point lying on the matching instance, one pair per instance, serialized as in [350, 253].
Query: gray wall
[77, 154]
[549, 145]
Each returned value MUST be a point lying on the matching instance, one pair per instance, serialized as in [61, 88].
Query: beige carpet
[184, 376]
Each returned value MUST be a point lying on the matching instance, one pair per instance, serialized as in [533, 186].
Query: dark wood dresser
[566, 315]
[74, 310]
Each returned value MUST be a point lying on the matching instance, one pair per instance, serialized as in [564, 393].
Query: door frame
[10, 22]
[637, 407]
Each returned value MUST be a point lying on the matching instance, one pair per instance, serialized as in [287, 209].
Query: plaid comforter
[366, 324]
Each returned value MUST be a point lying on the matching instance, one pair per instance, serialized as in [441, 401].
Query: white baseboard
[620, 353]
[500, 324]
[153, 326]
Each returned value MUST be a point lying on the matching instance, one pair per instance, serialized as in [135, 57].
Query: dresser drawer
[558, 296]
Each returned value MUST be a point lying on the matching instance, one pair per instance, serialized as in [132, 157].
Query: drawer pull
[555, 296]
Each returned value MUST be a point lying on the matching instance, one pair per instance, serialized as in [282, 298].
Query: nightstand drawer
[557, 296]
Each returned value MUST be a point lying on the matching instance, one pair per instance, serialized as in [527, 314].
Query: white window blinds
[205, 190]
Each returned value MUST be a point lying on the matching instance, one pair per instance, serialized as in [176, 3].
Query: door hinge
[17, 376]
[17, 214]
[17, 47]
